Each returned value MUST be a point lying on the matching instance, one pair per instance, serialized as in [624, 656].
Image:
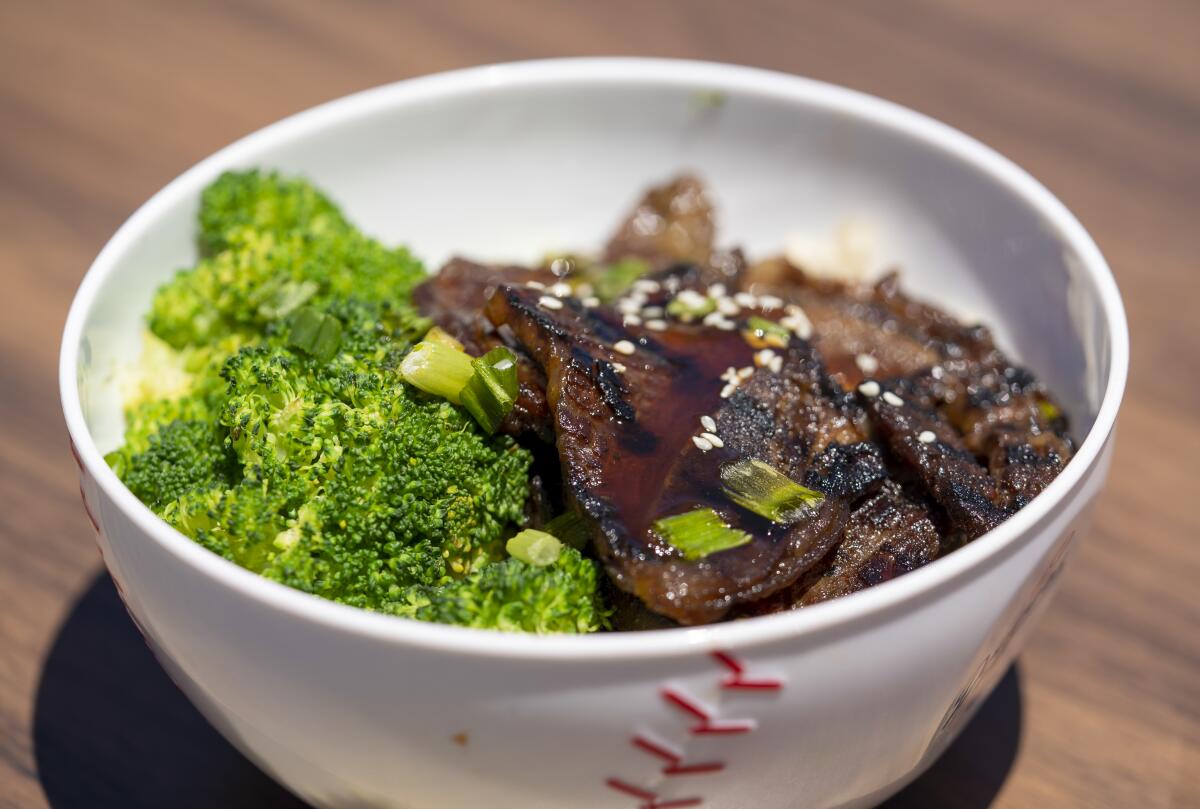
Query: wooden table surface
[103, 103]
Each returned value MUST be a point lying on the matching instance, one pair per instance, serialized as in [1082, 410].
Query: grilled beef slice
[624, 425]
[850, 319]
[674, 223]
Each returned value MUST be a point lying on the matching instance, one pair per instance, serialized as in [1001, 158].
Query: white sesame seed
[937, 372]
[745, 373]
[926, 437]
[646, 285]
[728, 390]
[707, 423]
[628, 306]
[535, 285]
[656, 325]
[591, 300]
[746, 300]
[583, 290]
[763, 357]
[776, 364]
[869, 389]
[730, 374]
[652, 311]
[561, 289]
[702, 444]
[672, 284]
[769, 302]
[624, 347]
[632, 320]
[549, 302]
[892, 399]
[619, 367]
[691, 299]
[866, 363]
[712, 439]
[713, 318]
[797, 321]
[727, 306]
[716, 291]
[726, 325]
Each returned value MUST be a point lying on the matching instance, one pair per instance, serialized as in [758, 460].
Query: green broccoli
[273, 426]
[263, 202]
[180, 457]
[271, 246]
[517, 596]
[385, 469]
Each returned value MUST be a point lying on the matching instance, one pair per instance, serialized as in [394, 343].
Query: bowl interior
[509, 163]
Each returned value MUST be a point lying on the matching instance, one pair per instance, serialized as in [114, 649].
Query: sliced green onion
[438, 369]
[691, 308]
[534, 547]
[699, 533]
[767, 492]
[571, 529]
[610, 281]
[287, 298]
[491, 390]
[763, 333]
[439, 335]
[315, 333]
[1049, 410]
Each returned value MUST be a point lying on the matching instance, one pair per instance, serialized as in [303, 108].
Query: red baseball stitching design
[651, 798]
[737, 681]
[708, 724]
[674, 759]
[630, 789]
[75, 455]
[88, 509]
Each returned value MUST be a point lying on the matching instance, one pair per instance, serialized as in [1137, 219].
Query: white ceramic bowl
[855, 696]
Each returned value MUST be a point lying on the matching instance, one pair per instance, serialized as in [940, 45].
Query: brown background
[103, 103]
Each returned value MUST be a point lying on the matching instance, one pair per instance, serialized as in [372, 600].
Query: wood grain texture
[103, 103]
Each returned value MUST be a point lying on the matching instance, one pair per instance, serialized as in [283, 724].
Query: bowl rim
[653, 644]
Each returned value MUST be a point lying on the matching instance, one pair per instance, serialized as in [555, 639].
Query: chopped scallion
[766, 491]
[491, 390]
[439, 335]
[287, 298]
[696, 534]
[1049, 410]
[571, 529]
[534, 547]
[438, 369]
[689, 308]
[315, 333]
[610, 281]
[763, 333]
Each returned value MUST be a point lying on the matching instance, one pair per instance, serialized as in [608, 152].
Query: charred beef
[944, 441]
[625, 422]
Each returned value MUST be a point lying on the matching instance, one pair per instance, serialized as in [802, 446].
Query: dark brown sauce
[663, 471]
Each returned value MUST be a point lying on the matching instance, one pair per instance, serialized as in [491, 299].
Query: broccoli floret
[516, 596]
[272, 426]
[179, 457]
[386, 468]
[274, 245]
[263, 202]
[240, 522]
